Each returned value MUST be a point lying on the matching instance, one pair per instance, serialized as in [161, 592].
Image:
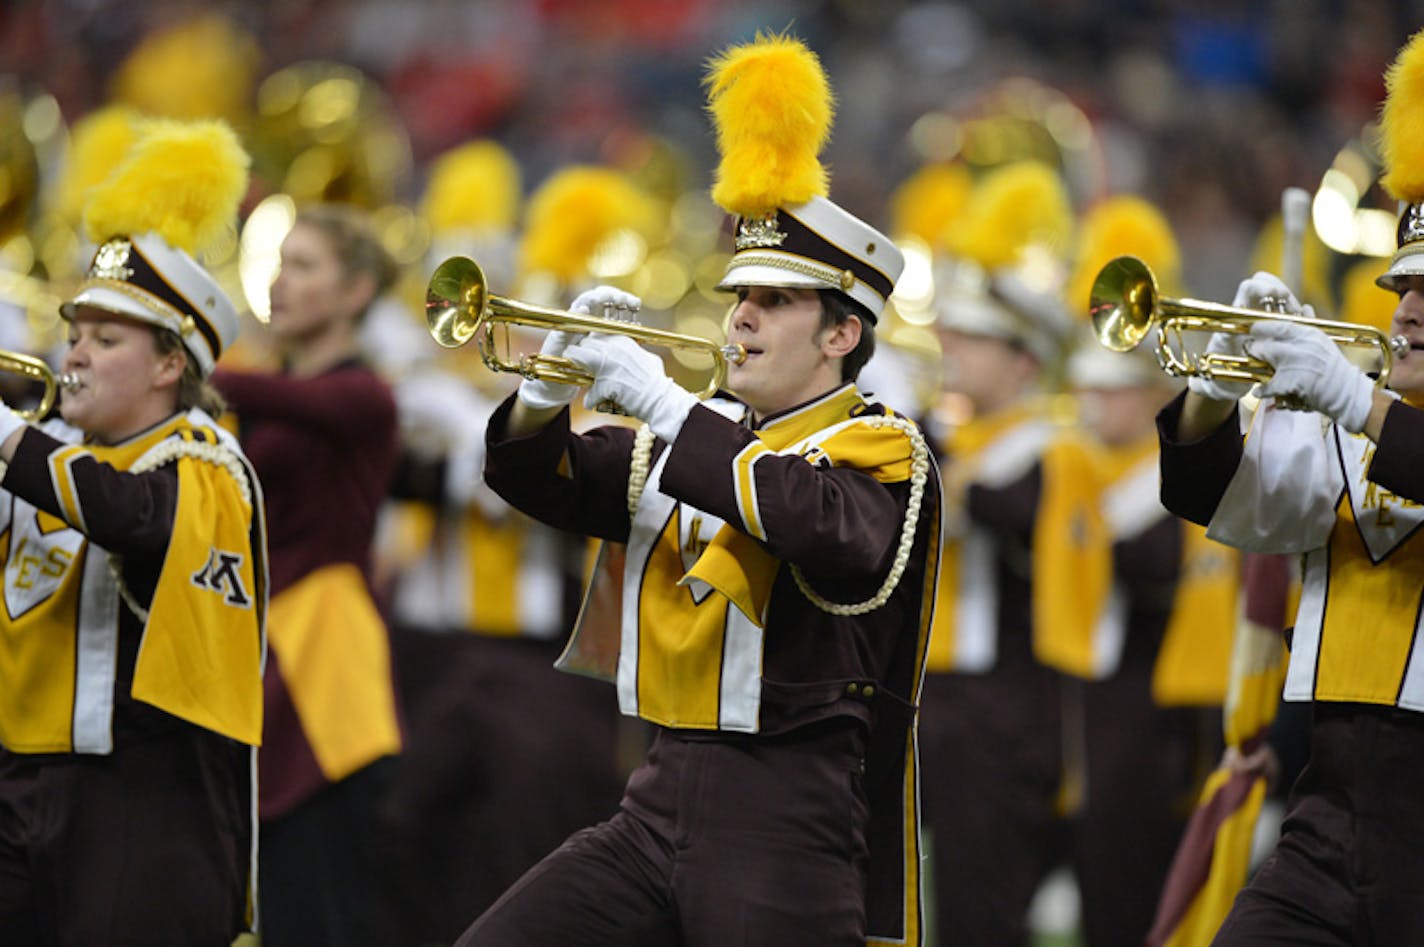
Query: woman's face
[312, 292]
[125, 384]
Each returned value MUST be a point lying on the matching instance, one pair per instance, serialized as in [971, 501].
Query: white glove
[540, 394]
[605, 302]
[1311, 369]
[633, 379]
[1218, 389]
[1266, 291]
[537, 393]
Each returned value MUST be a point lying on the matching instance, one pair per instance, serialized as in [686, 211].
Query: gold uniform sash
[201, 652]
[695, 591]
[1073, 578]
[334, 656]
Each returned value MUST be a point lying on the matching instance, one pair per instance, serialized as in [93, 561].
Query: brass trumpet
[1126, 306]
[36, 370]
[459, 306]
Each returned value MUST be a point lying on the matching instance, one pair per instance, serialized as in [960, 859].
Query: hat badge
[1411, 224]
[111, 262]
[760, 231]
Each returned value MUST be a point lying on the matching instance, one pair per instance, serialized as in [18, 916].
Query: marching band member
[322, 435]
[775, 595]
[1151, 655]
[135, 583]
[991, 720]
[1338, 483]
[503, 755]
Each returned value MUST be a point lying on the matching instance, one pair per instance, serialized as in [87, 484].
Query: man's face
[123, 379]
[989, 371]
[790, 358]
[1407, 376]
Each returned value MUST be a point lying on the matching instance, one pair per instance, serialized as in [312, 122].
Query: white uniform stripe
[97, 656]
[976, 604]
[1305, 640]
[1110, 633]
[654, 511]
[1132, 504]
[1411, 691]
[740, 699]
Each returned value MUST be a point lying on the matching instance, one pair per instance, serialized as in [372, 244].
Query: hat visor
[111, 300]
[759, 274]
[1407, 262]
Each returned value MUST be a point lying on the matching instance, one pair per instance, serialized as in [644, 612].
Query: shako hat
[772, 108]
[1402, 152]
[176, 193]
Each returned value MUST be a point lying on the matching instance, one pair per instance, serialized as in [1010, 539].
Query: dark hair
[836, 307]
[194, 391]
[356, 244]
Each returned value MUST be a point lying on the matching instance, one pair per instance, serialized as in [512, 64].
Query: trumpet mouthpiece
[734, 352]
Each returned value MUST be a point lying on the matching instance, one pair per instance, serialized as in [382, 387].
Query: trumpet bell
[35, 369]
[1123, 305]
[455, 301]
[459, 307]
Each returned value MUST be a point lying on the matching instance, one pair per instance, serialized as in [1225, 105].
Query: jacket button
[868, 690]
[852, 688]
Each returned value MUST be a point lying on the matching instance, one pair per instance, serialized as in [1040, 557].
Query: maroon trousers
[1349, 866]
[150, 845]
[719, 841]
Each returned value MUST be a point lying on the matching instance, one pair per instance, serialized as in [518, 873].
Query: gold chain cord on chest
[166, 452]
[919, 475]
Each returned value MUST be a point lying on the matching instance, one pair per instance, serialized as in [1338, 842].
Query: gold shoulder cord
[166, 452]
[919, 474]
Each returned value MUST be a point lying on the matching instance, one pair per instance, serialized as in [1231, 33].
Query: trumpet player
[135, 583]
[774, 616]
[1338, 484]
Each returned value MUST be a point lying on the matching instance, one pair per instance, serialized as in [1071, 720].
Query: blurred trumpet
[1126, 306]
[27, 366]
[459, 307]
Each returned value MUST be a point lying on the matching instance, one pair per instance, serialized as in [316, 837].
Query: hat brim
[761, 274]
[112, 300]
[1407, 262]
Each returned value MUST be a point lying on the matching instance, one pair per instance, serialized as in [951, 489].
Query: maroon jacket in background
[325, 450]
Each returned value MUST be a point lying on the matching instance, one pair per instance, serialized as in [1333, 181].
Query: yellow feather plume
[476, 186]
[772, 108]
[1120, 225]
[204, 67]
[1402, 123]
[1362, 300]
[928, 204]
[182, 181]
[98, 142]
[1013, 207]
[573, 212]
